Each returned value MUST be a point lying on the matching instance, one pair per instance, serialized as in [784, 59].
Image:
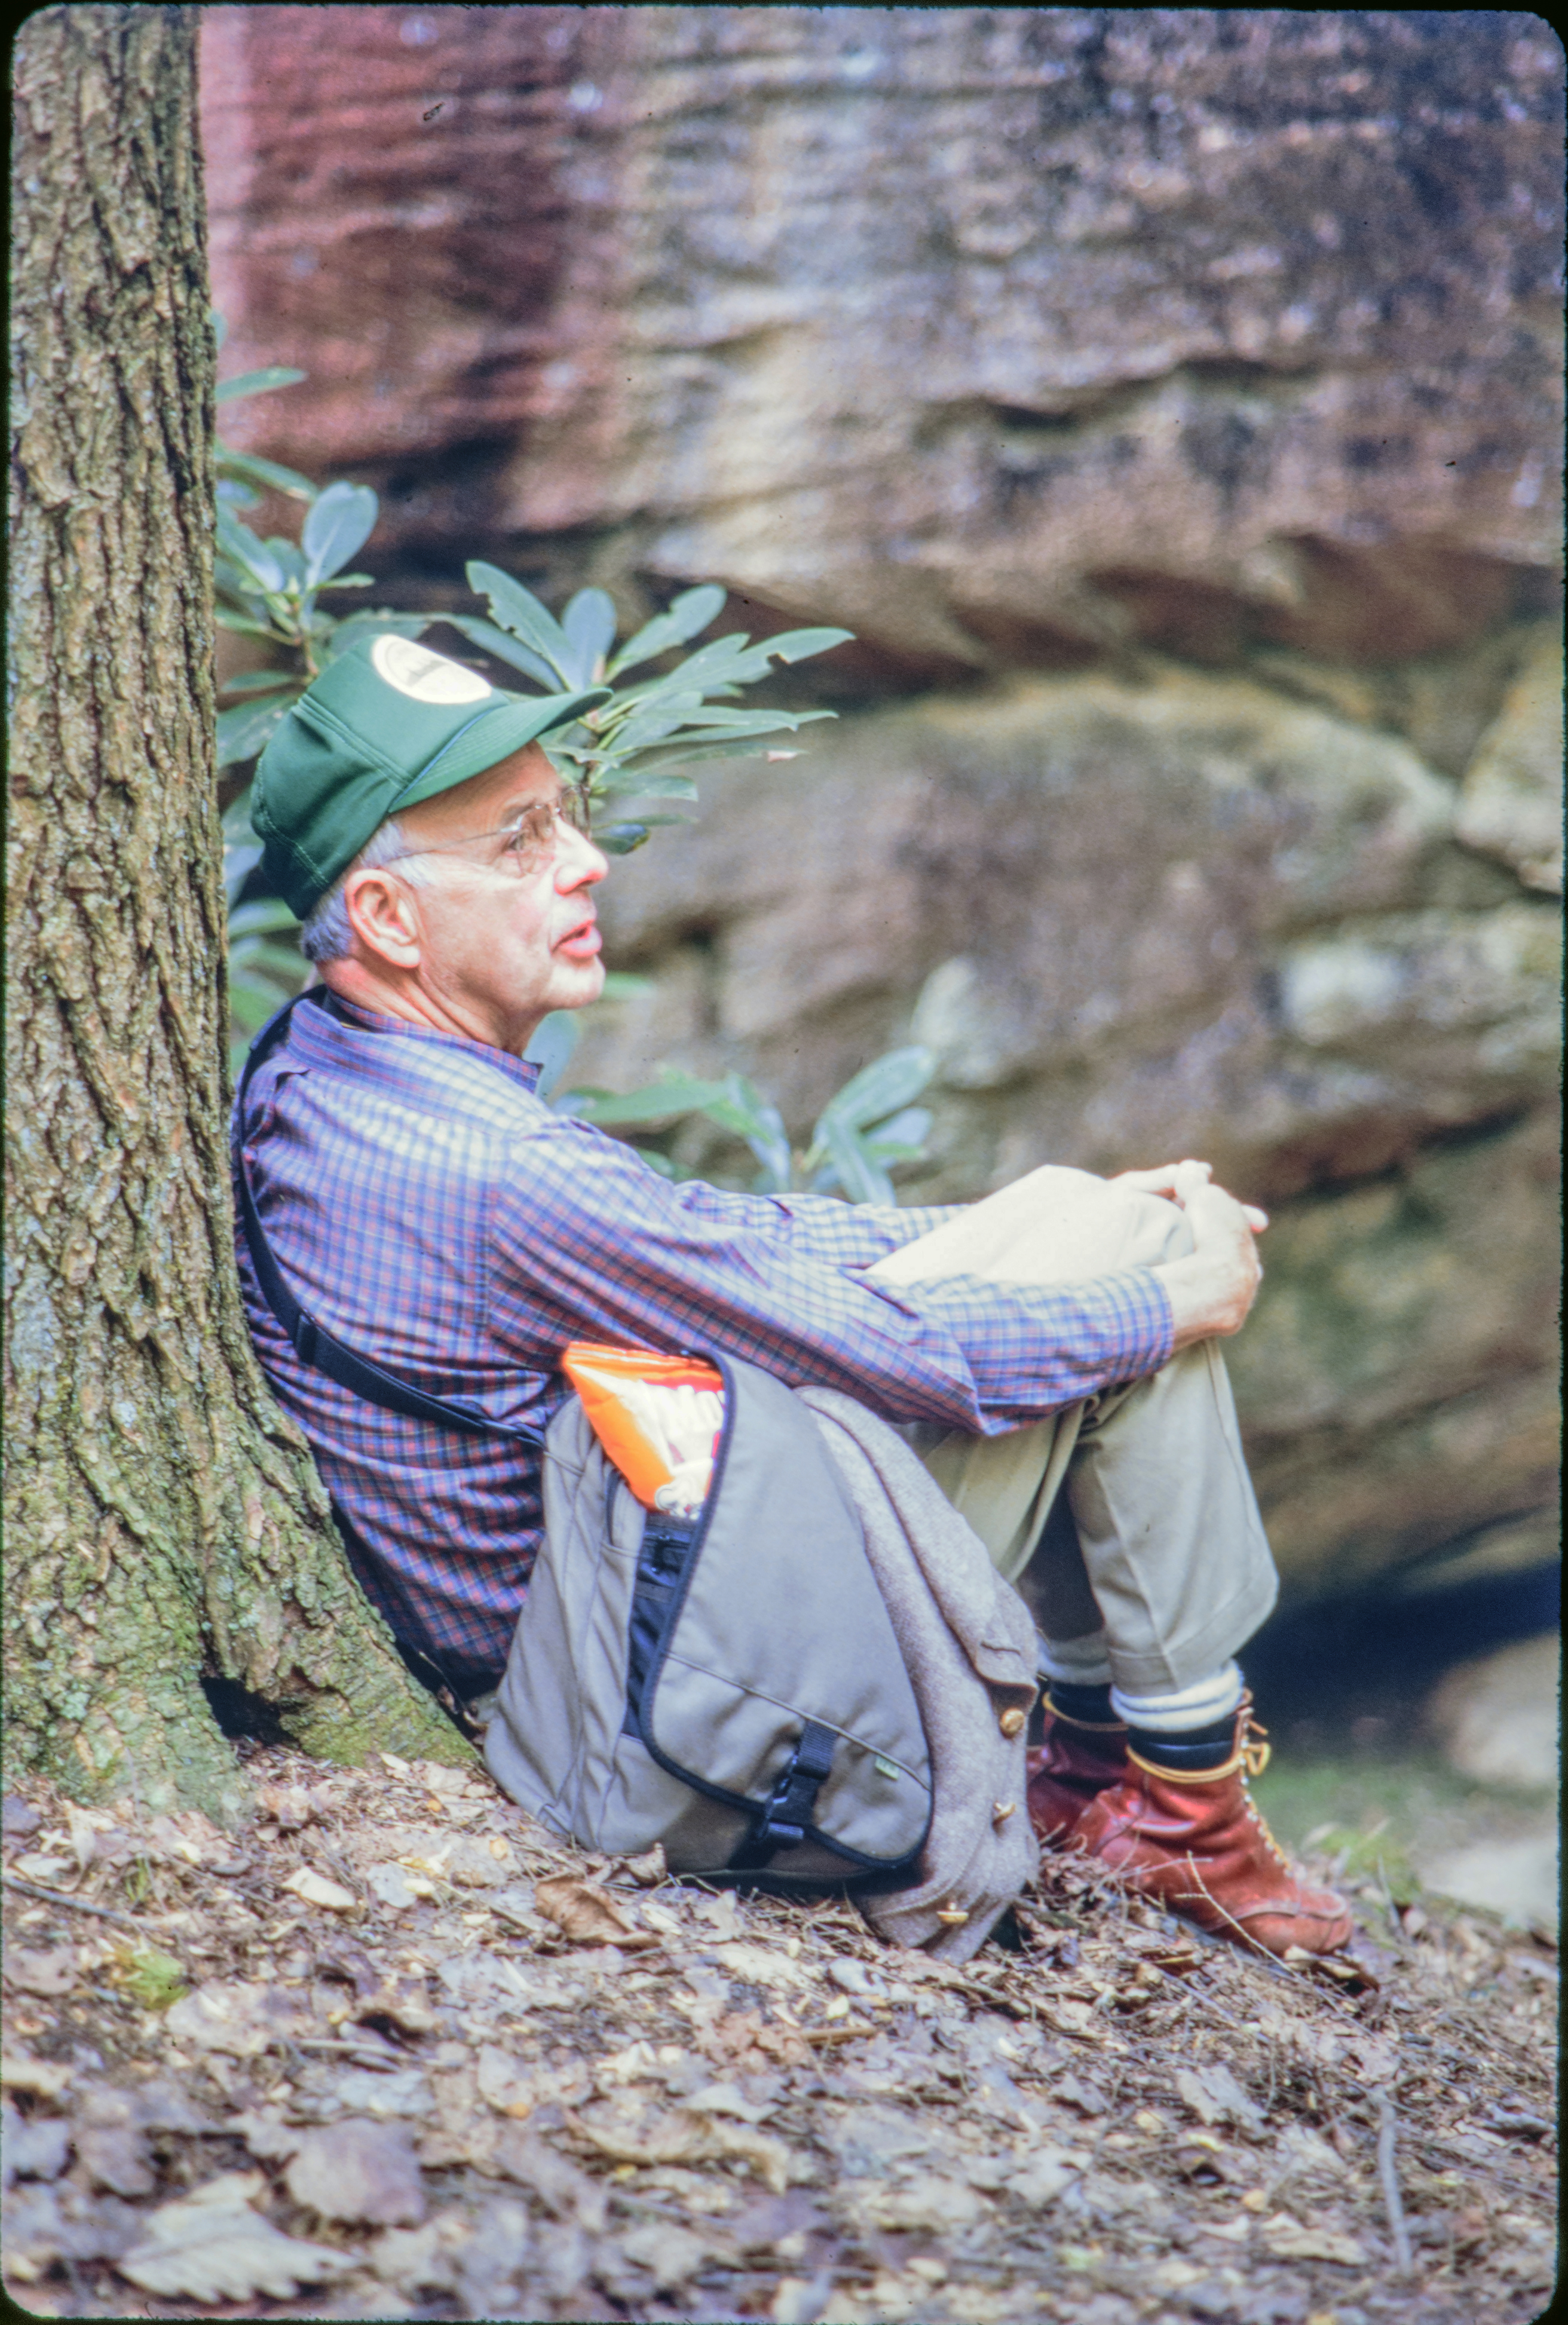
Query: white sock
[1076, 1662]
[1202, 1705]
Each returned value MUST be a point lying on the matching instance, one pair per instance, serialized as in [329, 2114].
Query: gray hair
[325, 934]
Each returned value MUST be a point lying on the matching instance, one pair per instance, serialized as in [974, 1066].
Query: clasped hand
[1210, 1290]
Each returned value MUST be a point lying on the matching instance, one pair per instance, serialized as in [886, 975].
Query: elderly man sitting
[1053, 1349]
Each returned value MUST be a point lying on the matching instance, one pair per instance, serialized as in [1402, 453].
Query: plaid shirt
[434, 1213]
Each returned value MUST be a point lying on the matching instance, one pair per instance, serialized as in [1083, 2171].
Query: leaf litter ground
[393, 2054]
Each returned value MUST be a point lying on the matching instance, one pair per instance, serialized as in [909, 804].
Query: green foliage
[146, 1976]
[270, 590]
[636, 745]
[862, 1136]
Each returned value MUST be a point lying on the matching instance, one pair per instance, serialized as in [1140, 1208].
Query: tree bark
[165, 1519]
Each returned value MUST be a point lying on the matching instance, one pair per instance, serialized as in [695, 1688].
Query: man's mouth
[583, 943]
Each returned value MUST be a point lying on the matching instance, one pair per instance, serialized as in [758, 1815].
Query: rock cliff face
[1167, 398]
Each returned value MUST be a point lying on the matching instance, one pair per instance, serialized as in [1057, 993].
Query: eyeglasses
[521, 846]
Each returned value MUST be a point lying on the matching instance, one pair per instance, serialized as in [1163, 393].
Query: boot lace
[1255, 1751]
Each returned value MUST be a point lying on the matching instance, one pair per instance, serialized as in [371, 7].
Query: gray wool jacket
[968, 1644]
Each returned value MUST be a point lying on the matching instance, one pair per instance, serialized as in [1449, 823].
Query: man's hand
[1212, 1289]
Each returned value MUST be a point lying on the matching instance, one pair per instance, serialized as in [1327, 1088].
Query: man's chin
[576, 983]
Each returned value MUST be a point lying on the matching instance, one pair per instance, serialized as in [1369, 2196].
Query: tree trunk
[165, 1522]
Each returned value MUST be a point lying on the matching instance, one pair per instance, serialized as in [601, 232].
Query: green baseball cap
[387, 724]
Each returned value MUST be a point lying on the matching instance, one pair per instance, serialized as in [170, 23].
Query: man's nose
[577, 862]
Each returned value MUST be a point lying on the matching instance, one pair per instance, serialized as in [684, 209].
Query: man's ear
[382, 916]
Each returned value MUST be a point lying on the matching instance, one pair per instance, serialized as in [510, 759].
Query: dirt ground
[394, 2054]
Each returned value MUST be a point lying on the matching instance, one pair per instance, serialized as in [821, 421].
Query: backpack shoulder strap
[312, 1343]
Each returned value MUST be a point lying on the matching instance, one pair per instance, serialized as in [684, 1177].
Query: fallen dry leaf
[929, 2202]
[168, 1841]
[114, 2156]
[38, 2150]
[670, 2254]
[401, 1997]
[1041, 2180]
[1377, 2056]
[759, 1966]
[721, 1913]
[668, 1924]
[241, 2019]
[372, 2090]
[561, 2186]
[45, 2077]
[728, 2099]
[353, 2170]
[290, 1806]
[212, 2246]
[265, 2134]
[1287, 2239]
[445, 1783]
[421, 2259]
[393, 1887]
[47, 1973]
[84, 1825]
[315, 1889]
[741, 2040]
[636, 2063]
[510, 2088]
[853, 1978]
[587, 1914]
[42, 1865]
[1215, 2096]
[474, 1863]
[686, 2137]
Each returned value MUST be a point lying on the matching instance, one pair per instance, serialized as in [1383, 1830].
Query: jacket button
[1011, 1722]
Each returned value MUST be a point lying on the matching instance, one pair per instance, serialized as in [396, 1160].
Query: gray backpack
[729, 1685]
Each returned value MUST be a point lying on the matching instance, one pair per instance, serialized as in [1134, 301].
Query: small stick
[358, 2050]
[1386, 2132]
[988, 1995]
[1189, 1993]
[62, 1897]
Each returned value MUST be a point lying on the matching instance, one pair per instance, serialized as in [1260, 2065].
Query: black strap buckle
[792, 1805]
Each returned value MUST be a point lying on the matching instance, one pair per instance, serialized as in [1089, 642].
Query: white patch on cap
[428, 677]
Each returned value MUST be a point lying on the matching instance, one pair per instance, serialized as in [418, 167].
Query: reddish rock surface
[996, 333]
[386, 212]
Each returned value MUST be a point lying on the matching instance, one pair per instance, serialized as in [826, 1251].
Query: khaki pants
[1131, 1510]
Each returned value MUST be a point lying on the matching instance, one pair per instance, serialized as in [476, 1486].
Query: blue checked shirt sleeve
[589, 1243]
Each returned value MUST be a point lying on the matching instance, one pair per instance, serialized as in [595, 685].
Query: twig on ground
[360, 2049]
[63, 1898]
[990, 1996]
[1192, 1993]
[1388, 2132]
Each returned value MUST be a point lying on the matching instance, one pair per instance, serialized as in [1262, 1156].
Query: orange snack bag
[658, 1418]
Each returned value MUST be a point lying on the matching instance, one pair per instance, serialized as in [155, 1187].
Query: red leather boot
[1195, 1843]
[1073, 1764]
